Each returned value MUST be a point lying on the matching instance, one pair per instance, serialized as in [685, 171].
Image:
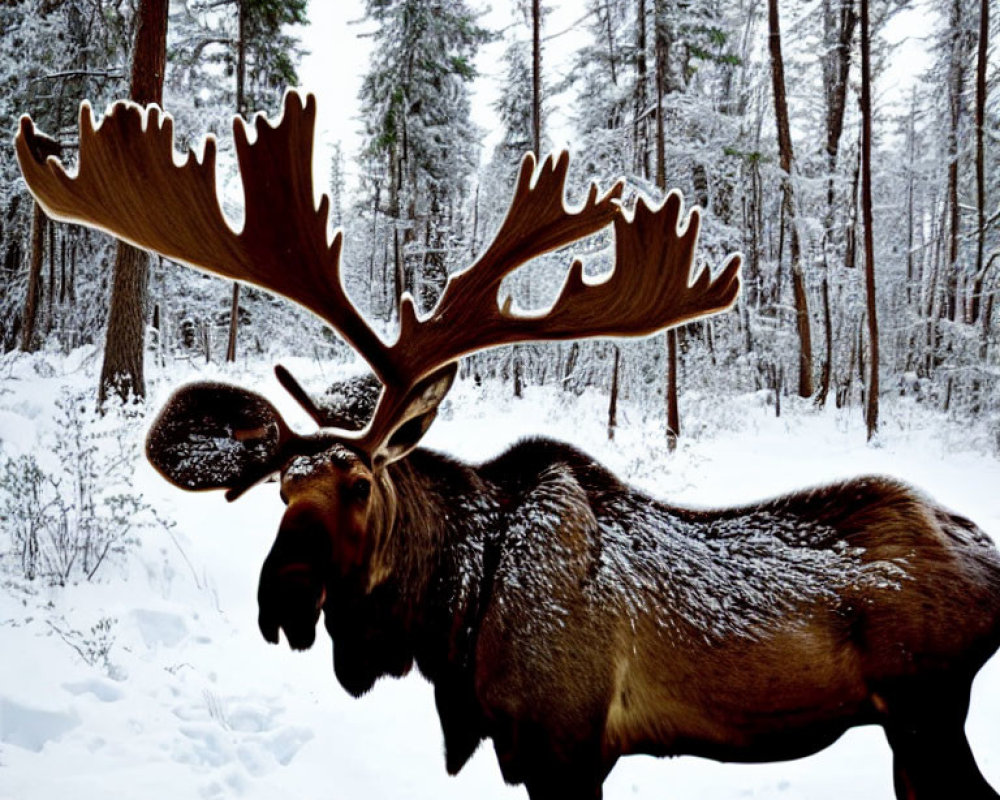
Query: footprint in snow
[30, 728]
[159, 628]
[103, 691]
[237, 736]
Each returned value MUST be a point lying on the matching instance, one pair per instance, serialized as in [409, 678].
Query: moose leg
[550, 775]
[550, 769]
[562, 784]
[932, 759]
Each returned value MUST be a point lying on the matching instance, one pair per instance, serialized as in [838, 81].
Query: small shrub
[93, 647]
[65, 516]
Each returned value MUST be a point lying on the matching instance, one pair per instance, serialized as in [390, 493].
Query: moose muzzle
[294, 577]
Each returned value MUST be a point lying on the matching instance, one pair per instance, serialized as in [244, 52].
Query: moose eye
[360, 489]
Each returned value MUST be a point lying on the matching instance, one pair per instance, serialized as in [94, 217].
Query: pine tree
[415, 106]
[226, 51]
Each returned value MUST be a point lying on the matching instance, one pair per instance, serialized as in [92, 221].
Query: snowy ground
[190, 701]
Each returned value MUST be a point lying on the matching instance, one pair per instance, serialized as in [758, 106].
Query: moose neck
[444, 513]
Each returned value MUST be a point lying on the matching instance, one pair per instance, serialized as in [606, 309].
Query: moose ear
[418, 412]
[214, 436]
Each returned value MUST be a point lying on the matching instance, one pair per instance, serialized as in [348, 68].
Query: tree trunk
[871, 413]
[30, 317]
[63, 246]
[50, 311]
[122, 371]
[787, 159]
[911, 135]
[536, 78]
[670, 337]
[838, 28]
[241, 109]
[956, 86]
[613, 404]
[398, 270]
[673, 409]
[827, 368]
[660, 66]
[987, 318]
[640, 161]
[234, 323]
[612, 55]
[980, 275]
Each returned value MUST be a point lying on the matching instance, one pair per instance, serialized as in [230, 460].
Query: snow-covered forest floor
[151, 681]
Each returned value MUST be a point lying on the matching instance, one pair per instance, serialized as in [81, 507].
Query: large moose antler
[129, 184]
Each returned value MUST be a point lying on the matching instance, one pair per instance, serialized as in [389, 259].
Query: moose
[560, 613]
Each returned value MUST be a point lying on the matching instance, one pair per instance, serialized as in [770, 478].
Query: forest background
[757, 112]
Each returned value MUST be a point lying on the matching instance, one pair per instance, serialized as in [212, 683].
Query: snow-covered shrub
[67, 511]
[95, 646]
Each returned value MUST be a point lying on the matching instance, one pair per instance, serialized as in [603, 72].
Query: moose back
[558, 612]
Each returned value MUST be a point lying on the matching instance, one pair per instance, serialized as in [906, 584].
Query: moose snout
[292, 586]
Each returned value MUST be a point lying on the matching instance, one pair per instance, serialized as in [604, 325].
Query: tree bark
[234, 323]
[838, 29]
[241, 109]
[613, 404]
[980, 276]
[536, 78]
[122, 371]
[956, 86]
[660, 66]
[50, 311]
[660, 45]
[640, 161]
[673, 408]
[871, 412]
[787, 159]
[30, 317]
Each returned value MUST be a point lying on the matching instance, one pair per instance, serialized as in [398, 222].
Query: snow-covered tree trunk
[802, 321]
[124, 346]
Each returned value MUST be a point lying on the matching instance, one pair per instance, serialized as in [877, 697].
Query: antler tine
[536, 223]
[301, 396]
[129, 185]
[651, 286]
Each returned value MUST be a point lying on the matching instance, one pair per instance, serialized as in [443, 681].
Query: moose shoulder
[557, 611]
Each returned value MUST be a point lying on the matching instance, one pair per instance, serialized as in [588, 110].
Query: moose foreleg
[549, 770]
[932, 759]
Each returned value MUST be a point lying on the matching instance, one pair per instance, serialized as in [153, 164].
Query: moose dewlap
[558, 612]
